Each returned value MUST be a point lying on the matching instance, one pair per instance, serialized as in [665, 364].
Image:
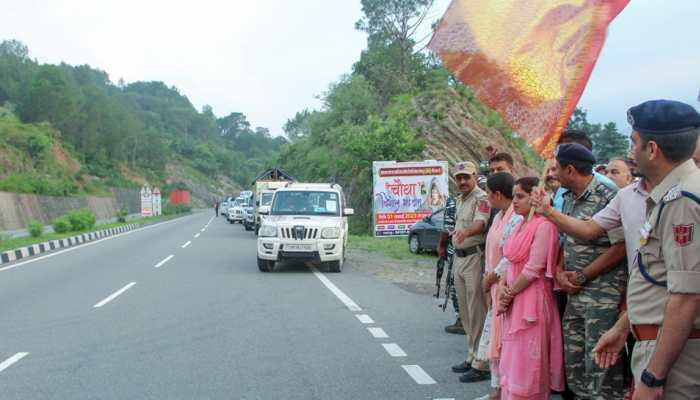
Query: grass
[392, 247]
[15, 243]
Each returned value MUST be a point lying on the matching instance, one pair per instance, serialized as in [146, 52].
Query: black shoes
[475, 375]
[455, 328]
[462, 368]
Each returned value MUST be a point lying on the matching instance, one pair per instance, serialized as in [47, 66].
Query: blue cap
[663, 117]
[574, 152]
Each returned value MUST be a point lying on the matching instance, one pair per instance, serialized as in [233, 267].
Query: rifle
[449, 281]
[439, 270]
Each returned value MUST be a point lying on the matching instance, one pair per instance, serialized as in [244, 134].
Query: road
[179, 310]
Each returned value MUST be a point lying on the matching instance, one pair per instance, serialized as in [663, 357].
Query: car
[424, 235]
[236, 211]
[224, 206]
[306, 222]
[265, 199]
[249, 221]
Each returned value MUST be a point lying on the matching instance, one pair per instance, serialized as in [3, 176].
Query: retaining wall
[16, 210]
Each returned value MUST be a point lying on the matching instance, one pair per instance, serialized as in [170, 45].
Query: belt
[468, 251]
[651, 332]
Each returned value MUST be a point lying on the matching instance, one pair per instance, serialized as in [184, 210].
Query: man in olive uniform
[594, 275]
[468, 239]
[663, 295]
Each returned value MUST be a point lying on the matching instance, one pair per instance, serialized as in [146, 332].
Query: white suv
[306, 222]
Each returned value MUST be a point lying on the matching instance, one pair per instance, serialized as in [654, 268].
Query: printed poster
[405, 193]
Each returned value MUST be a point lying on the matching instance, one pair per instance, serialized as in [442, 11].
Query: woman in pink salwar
[531, 362]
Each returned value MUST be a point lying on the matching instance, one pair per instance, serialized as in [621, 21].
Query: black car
[425, 234]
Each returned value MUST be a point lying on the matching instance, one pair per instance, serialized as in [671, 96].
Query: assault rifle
[449, 280]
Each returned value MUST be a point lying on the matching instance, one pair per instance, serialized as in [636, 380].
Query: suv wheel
[265, 265]
[336, 266]
[414, 244]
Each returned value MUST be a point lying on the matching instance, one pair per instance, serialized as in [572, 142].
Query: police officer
[468, 239]
[663, 295]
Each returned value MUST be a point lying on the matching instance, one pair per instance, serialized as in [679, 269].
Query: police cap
[662, 117]
[574, 152]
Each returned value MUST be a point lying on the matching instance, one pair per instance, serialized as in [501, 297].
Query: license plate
[298, 247]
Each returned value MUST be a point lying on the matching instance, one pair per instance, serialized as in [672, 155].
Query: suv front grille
[292, 233]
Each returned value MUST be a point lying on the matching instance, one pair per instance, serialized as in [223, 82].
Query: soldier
[663, 297]
[594, 277]
[446, 250]
[468, 239]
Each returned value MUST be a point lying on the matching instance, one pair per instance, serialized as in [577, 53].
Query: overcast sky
[271, 58]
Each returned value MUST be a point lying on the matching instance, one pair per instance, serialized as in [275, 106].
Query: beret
[661, 117]
[574, 152]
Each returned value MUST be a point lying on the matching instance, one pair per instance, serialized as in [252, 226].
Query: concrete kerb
[35, 249]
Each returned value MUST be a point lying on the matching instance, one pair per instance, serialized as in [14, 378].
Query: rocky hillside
[456, 127]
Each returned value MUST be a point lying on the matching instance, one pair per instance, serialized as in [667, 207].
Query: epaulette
[673, 194]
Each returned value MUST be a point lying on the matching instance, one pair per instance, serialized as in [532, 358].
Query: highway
[179, 310]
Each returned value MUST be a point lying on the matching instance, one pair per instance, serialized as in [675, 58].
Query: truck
[264, 186]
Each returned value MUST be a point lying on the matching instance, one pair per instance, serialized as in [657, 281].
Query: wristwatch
[581, 278]
[650, 380]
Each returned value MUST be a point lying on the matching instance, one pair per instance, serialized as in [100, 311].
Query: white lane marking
[203, 229]
[418, 374]
[351, 305]
[7, 363]
[364, 318]
[166, 259]
[186, 244]
[378, 333]
[85, 245]
[114, 295]
[197, 235]
[394, 350]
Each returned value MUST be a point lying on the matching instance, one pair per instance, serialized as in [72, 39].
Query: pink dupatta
[517, 250]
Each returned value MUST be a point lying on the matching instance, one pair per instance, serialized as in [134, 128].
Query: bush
[172, 209]
[61, 224]
[81, 219]
[122, 214]
[35, 228]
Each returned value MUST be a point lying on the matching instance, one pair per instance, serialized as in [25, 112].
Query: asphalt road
[147, 316]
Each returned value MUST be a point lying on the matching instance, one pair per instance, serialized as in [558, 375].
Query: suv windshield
[266, 199]
[306, 203]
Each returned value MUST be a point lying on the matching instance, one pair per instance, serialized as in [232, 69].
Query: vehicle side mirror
[257, 203]
[264, 210]
[349, 211]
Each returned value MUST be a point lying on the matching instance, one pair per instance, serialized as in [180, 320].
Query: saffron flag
[527, 59]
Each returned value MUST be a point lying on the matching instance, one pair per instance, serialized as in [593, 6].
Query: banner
[146, 201]
[405, 193]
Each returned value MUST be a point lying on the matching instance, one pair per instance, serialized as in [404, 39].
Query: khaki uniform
[469, 270]
[595, 309]
[668, 262]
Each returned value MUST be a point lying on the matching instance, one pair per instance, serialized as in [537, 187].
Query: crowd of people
[589, 283]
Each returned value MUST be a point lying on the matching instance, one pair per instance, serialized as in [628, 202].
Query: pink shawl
[517, 250]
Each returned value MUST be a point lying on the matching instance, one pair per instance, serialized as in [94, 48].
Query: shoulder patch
[484, 206]
[673, 194]
[683, 234]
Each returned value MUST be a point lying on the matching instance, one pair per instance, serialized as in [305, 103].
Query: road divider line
[364, 318]
[378, 333]
[203, 229]
[351, 305]
[196, 235]
[394, 350]
[114, 295]
[8, 363]
[189, 242]
[87, 244]
[418, 374]
[166, 259]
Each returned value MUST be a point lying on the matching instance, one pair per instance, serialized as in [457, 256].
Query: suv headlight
[330, 233]
[268, 231]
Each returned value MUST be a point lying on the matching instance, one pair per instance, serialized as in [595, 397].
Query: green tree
[608, 142]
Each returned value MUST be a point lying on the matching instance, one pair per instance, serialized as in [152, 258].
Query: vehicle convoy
[264, 186]
[306, 222]
[224, 206]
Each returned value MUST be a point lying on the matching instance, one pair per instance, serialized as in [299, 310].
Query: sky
[272, 58]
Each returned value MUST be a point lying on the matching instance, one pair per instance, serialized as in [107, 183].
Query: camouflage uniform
[595, 309]
[449, 223]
